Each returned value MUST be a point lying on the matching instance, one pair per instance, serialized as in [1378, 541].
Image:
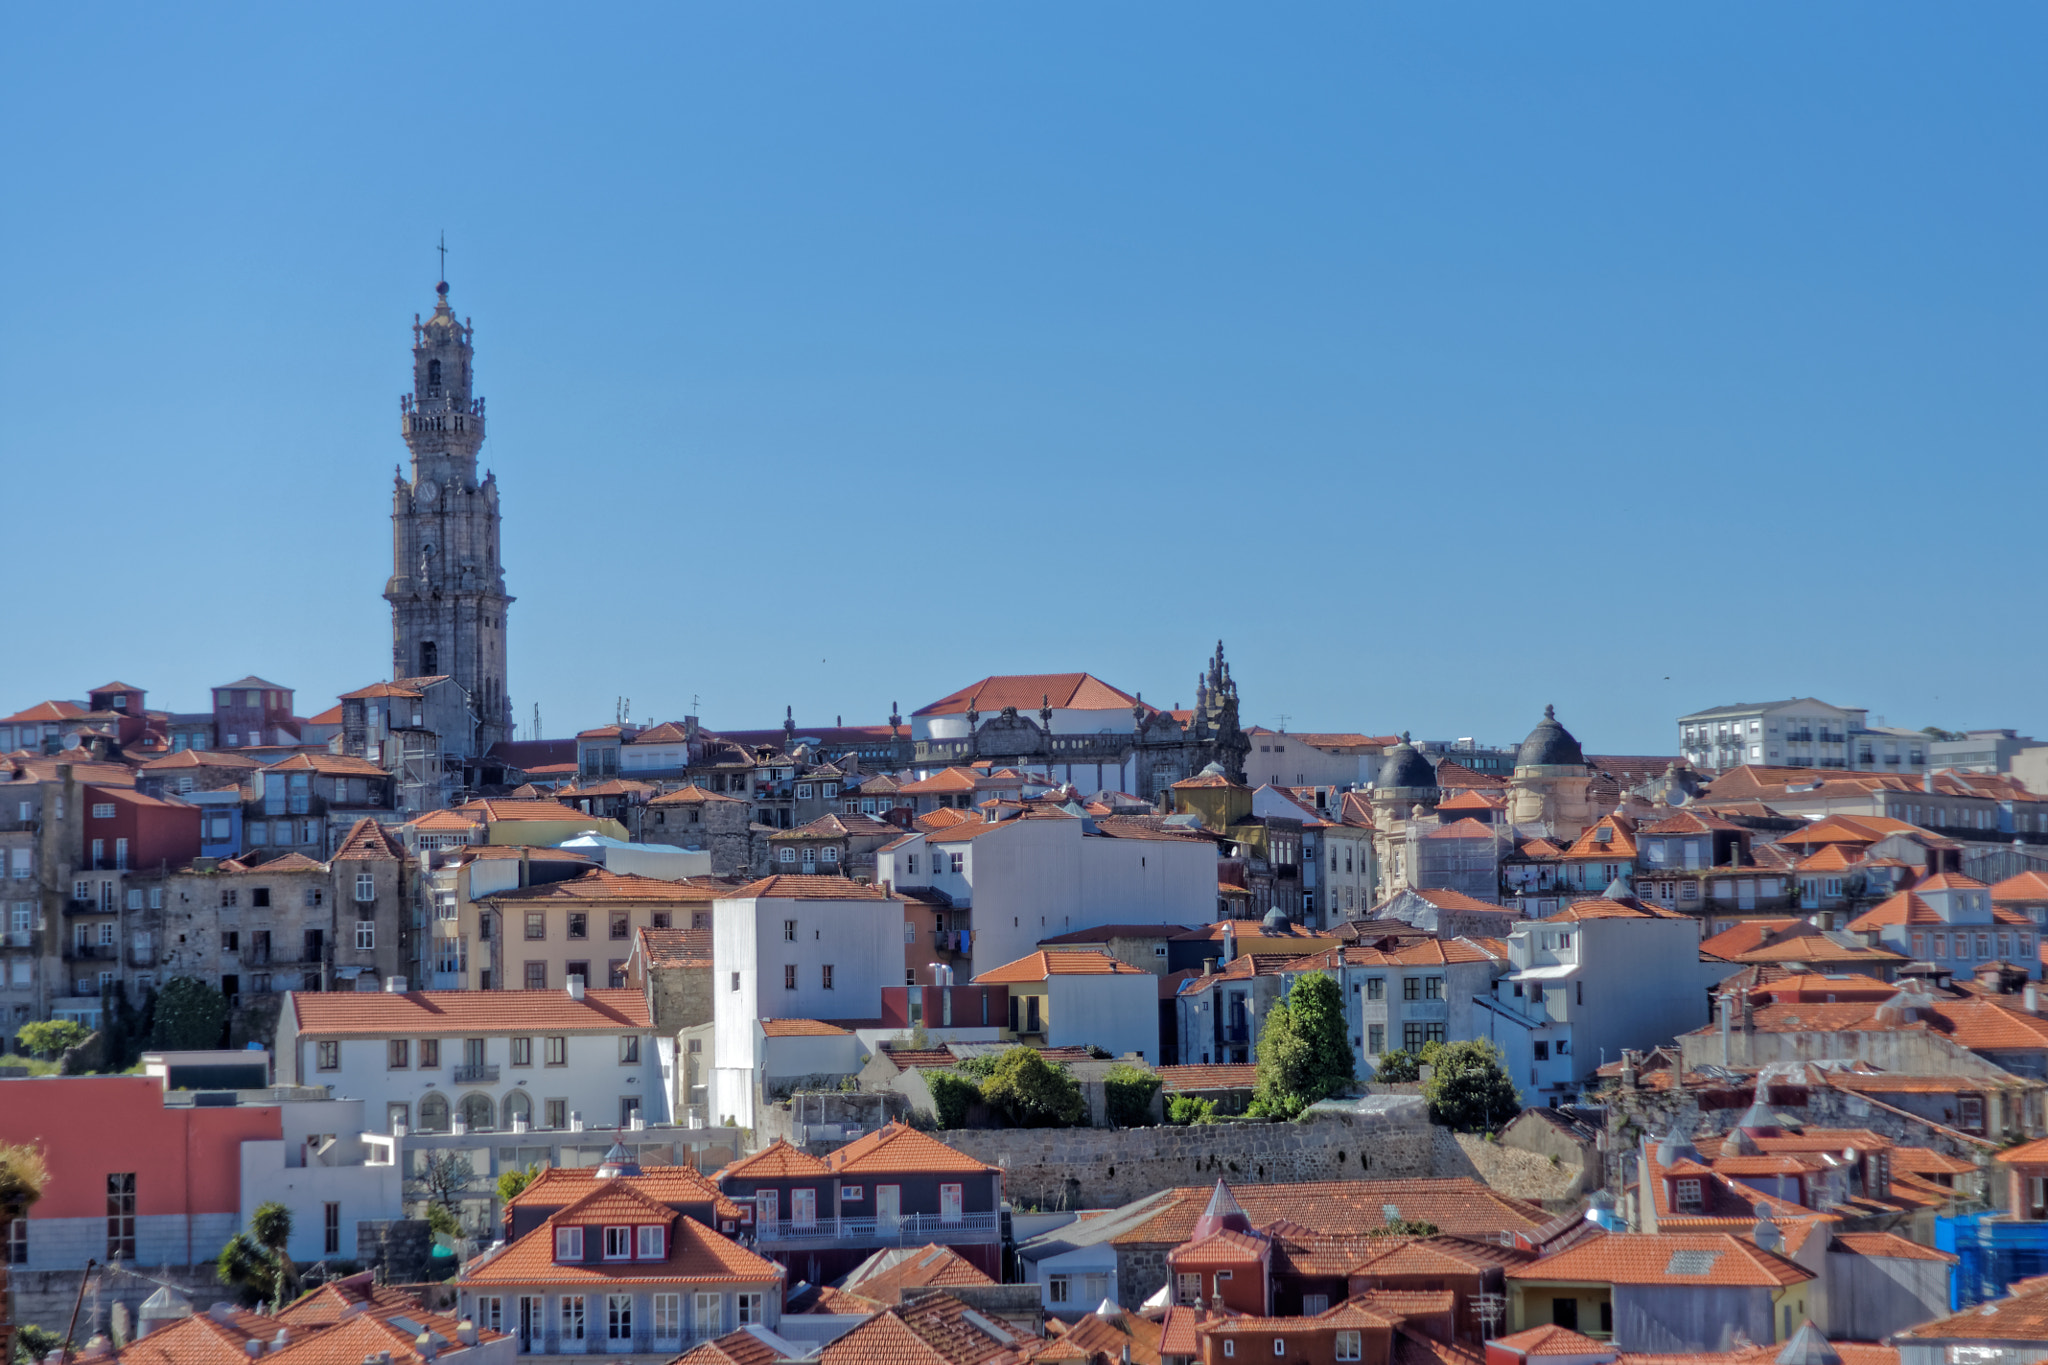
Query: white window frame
[618, 1243]
[568, 1244]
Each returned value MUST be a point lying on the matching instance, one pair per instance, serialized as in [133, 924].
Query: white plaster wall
[810, 1055]
[593, 1081]
[1116, 1013]
[364, 1192]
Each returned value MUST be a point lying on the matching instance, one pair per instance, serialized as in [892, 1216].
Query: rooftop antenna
[1284, 718]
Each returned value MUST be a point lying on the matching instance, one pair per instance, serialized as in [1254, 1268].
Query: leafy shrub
[1468, 1087]
[189, 1016]
[1398, 1066]
[51, 1036]
[952, 1094]
[1127, 1095]
[1186, 1109]
[1304, 1050]
[1031, 1092]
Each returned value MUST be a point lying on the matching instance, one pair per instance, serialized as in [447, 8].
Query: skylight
[1691, 1262]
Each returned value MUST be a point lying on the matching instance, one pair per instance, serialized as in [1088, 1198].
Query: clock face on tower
[427, 490]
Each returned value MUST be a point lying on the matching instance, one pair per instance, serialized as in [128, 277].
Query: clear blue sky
[1445, 359]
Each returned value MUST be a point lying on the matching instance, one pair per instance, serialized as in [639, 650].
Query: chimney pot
[575, 987]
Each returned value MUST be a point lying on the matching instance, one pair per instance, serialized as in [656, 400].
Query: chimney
[394, 985]
[1208, 966]
[525, 865]
[2032, 997]
[576, 987]
[575, 1120]
[465, 1332]
[1628, 1068]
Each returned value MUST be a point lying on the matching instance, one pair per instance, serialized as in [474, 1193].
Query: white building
[1080, 999]
[1599, 976]
[1034, 876]
[499, 1061]
[793, 947]
[1337, 874]
[1801, 732]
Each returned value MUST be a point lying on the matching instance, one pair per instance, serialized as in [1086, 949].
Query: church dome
[1275, 920]
[1405, 766]
[1549, 745]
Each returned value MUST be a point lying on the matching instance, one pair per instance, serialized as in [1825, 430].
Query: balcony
[1234, 1033]
[911, 1229]
[18, 938]
[475, 1074]
[93, 952]
[553, 1343]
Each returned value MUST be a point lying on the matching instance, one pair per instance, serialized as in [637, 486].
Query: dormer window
[568, 1244]
[1688, 1193]
[618, 1244]
[650, 1244]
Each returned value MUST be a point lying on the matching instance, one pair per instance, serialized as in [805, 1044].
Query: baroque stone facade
[447, 584]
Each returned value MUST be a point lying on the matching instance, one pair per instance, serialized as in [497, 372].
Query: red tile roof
[2020, 1317]
[802, 1028]
[521, 810]
[692, 795]
[797, 887]
[1457, 1205]
[555, 1187]
[696, 1255]
[1665, 1258]
[1029, 691]
[887, 1274]
[334, 1013]
[898, 1147]
[774, 1162]
[601, 885]
[1551, 1340]
[1043, 964]
[1228, 1076]
[675, 948]
[1890, 1244]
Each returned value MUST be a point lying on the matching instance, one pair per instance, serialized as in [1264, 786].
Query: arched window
[433, 1113]
[433, 374]
[477, 1112]
[430, 657]
[518, 1108]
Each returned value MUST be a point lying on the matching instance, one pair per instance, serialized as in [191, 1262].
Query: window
[618, 1244]
[556, 1113]
[789, 931]
[17, 1243]
[1311, 1304]
[1279, 1346]
[1375, 988]
[329, 1054]
[1542, 1050]
[1411, 988]
[555, 1051]
[1688, 1193]
[826, 979]
[1432, 988]
[910, 864]
[1058, 1288]
[572, 1311]
[579, 924]
[620, 926]
[956, 861]
[103, 810]
[522, 1052]
[787, 855]
[650, 1243]
[789, 977]
[1970, 1112]
[749, 1306]
[735, 981]
[1229, 1347]
[536, 976]
[709, 1309]
[629, 1049]
[1375, 1039]
[568, 1244]
[668, 1317]
[366, 886]
[536, 925]
[1348, 1344]
[629, 1110]
[121, 1216]
[366, 934]
[330, 1229]
[430, 1053]
[398, 1054]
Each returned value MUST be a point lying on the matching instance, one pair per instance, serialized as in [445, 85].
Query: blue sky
[1446, 360]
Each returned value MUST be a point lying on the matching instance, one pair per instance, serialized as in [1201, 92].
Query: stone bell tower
[447, 586]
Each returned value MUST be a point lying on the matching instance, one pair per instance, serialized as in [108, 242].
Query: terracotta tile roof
[200, 758]
[736, 1348]
[1103, 933]
[696, 1255]
[1744, 935]
[1473, 799]
[823, 1298]
[692, 795]
[1450, 773]
[1620, 845]
[1551, 1340]
[1207, 780]
[1689, 822]
[944, 780]
[945, 817]
[1950, 881]
[774, 1162]
[797, 887]
[837, 827]
[964, 830]
[898, 1147]
[330, 765]
[1228, 1076]
[1603, 908]
[1225, 1246]
[1029, 691]
[802, 1028]
[381, 689]
[444, 820]
[2027, 886]
[521, 810]
[1467, 828]
[960, 1335]
[368, 839]
[1436, 1256]
[1540, 848]
[332, 1013]
[1926, 1161]
[47, 710]
[1096, 1339]
[602, 885]
[2020, 1317]
[1457, 1205]
[1890, 1244]
[558, 1187]
[1664, 1258]
[675, 948]
[907, 1057]
[885, 1275]
[1043, 964]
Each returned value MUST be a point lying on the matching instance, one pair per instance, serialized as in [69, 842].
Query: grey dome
[1550, 745]
[1276, 918]
[1405, 767]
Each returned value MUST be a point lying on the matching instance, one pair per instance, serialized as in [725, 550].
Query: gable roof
[1666, 1258]
[899, 1147]
[696, 1254]
[1044, 964]
[800, 887]
[774, 1162]
[1029, 691]
[374, 1013]
[675, 948]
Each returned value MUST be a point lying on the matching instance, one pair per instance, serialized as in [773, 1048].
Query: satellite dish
[71, 741]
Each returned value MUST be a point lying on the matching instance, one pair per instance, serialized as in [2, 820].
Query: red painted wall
[88, 1127]
[157, 832]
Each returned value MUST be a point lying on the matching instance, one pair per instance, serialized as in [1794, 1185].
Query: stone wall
[1513, 1171]
[44, 1297]
[1069, 1168]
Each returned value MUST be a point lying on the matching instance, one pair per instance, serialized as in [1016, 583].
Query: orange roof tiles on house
[1029, 691]
[602, 885]
[1603, 908]
[561, 1186]
[1889, 1244]
[367, 839]
[333, 1013]
[743, 1347]
[1467, 828]
[675, 948]
[46, 710]
[696, 1255]
[1222, 1076]
[953, 780]
[1926, 1161]
[1043, 964]
[1225, 1246]
[200, 758]
[774, 1162]
[448, 820]
[691, 795]
[1619, 846]
[800, 887]
[1551, 1340]
[2027, 886]
[1665, 1258]
[2022, 1316]
[898, 1147]
[885, 1275]
[1204, 781]
[521, 810]
[802, 1028]
[1473, 799]
[1457, 1205]
[328, 765]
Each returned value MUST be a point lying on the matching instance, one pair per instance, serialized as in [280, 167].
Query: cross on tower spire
[443, 249]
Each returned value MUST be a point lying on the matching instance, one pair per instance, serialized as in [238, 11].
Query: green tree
[952, 1094]
[511, 1182]
[1188, 1109]
[189, 1016]
[255, 1263]
[1127, 1095]
[1468, 1087]
[1031, 1092]
[1397, 1067]
[51, 1037]
[33, 1344]
[1304, 1051]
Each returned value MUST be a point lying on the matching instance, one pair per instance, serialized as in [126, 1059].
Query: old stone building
[691, 817]
[447, 585]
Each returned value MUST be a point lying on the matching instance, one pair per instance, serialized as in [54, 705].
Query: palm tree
[23, 1174]
[256, 1261]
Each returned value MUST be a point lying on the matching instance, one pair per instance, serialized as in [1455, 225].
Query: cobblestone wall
[1098, 1168]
